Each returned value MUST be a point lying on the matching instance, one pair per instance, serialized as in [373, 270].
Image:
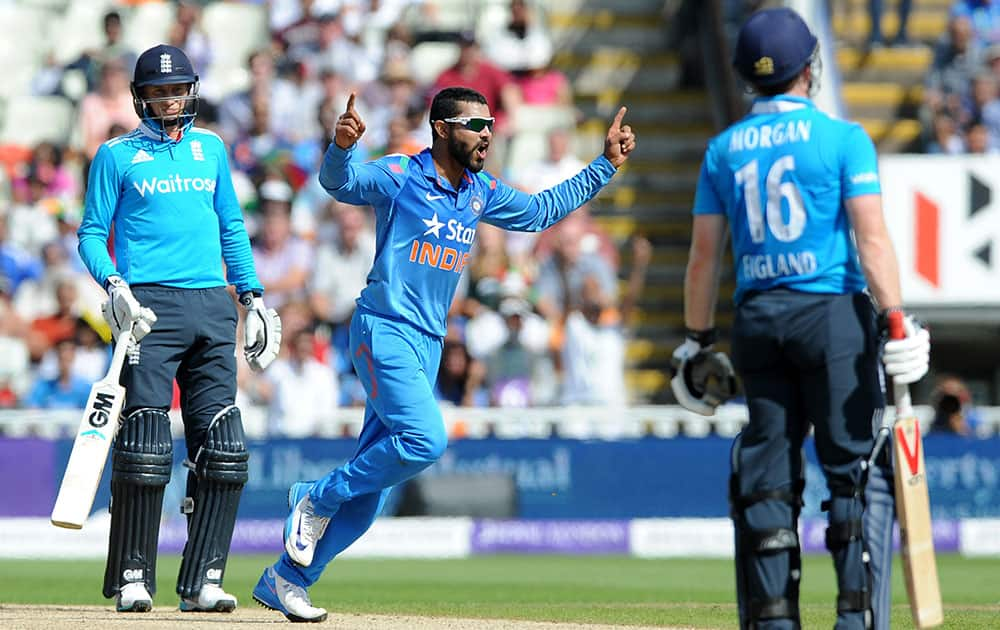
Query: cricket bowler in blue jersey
[427, 208]
[166, 190]
[800, 194]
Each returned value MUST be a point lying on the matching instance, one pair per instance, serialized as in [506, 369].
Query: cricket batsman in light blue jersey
[799, 192]
[427, 208]
[166, 190]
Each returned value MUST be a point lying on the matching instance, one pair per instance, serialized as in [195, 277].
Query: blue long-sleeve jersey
[424, 228]
[781, 176]
[174, 211]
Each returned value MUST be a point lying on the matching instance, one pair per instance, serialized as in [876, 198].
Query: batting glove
[122, 311]
[702, 379]
[906, 360]
[261, 332]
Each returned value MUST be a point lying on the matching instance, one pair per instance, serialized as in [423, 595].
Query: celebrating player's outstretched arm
[349, 127]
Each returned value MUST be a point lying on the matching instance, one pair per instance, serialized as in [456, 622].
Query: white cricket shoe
[211, 598]
[133, 597]
[291, 600]
[303, 527]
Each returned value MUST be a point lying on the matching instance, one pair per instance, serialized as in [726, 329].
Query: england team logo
[166, 64]
[197, 153]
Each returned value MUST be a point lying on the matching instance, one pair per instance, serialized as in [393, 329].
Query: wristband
[703, 338]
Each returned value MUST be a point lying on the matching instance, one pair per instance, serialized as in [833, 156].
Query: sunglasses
[472, 123]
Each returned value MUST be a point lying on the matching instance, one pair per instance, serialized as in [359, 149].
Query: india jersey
[424, 227]
[781, 176]
[174, 211]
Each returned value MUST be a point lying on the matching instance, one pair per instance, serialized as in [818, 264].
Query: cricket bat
[913, 509]
[92, 443]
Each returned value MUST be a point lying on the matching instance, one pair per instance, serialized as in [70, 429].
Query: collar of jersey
[779, 104]
[153, 134]
[427, 166]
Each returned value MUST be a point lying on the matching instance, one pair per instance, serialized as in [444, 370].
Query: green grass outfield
[615, 590]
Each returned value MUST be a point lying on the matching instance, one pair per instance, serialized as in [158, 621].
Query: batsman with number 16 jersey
[166, 190]
[799, 192]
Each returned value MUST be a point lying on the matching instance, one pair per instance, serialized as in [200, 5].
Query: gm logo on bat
[102, 404]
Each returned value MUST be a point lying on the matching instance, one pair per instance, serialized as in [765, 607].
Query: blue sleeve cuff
[603, 166]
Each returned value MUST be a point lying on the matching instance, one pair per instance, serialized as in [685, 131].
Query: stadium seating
[429, 59]
[235, 30]
[22, 117]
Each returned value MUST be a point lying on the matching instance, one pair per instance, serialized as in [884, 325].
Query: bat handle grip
[901, 392]
[897, 329]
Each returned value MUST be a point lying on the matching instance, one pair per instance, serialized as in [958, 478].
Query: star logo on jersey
[433, 226]
[196, 151]
[141, 156]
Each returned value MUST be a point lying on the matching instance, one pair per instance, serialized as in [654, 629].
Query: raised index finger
[350, 102]
[617, 124]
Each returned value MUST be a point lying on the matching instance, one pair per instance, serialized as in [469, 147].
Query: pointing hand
[620, 141]
[349, 127]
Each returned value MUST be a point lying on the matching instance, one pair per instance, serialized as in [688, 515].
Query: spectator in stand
[92, 354]
[301, 392]
[15, 362]
[558, 165]
[31, 219]
[977, 137]
[983, 92]
[520, 372]
[875, 38]
[518, 46]
[67, 390]
[311, 199]
[953, 411]
[983, 15]
[945, 138]
[113, 49]
[591, 239]
[58, 326]
[110, 104]
[339, 50]
[283, 260]
[16, 265]
[187, 34]
[236, 111]
[561, 276]
[473, 71]
[593, 352]
[259, 144]
[460, 377]
[46, 166]
[340, 272]
[541, 84]
[957, 59]
[389, 98]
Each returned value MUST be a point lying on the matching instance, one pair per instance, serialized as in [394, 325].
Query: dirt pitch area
[16, 617]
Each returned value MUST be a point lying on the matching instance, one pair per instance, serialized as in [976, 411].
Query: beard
[466, 156]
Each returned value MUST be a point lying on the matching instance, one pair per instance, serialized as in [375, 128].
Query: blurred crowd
[538, 320]
[961, 104]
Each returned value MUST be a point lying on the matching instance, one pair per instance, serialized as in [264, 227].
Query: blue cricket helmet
[164, 65]
[774, 45]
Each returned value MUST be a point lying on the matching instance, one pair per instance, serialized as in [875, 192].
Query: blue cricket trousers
[403, 434]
